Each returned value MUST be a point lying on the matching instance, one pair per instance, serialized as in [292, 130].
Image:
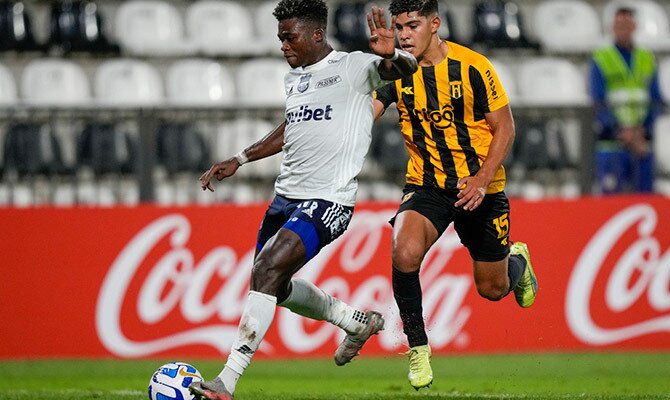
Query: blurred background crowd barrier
[120, 102]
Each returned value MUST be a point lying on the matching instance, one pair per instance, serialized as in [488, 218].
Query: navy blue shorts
[317, 222]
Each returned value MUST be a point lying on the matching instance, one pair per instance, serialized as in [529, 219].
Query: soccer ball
[170, 382]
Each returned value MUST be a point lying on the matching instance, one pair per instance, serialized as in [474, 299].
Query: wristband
[396, 54]
[242, 158]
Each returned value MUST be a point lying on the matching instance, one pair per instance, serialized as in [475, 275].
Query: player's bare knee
[407, 258]
[267, 277]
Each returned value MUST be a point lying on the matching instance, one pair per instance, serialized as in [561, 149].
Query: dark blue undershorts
[317, 222]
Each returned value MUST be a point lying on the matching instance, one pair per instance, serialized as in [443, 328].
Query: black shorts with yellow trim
[484, 231]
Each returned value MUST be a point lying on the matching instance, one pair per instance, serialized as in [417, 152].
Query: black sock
[407, 293]
[515, 268]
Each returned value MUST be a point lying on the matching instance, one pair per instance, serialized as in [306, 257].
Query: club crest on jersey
[456, 89]
[304, 82]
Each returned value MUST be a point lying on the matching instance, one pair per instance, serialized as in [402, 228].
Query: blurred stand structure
[118, 102]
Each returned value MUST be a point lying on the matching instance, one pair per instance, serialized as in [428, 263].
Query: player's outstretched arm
[270, 145]
[397, 63]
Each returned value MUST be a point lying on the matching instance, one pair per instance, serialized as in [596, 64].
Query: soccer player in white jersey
[324, 139]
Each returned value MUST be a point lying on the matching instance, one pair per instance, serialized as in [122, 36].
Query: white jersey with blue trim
[329, 119]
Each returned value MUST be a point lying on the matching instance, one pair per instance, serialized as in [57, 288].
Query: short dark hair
[625, 10]
[423, 7]
[307, 10]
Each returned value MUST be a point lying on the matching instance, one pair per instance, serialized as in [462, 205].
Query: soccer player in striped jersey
[458, 128]
[324, 139]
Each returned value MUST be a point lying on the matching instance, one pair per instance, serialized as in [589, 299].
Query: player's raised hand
[219, 171]
[382, 38]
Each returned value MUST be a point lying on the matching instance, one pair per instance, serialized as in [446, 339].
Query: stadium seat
[30, 150]
[79, 26]
[551, 81]
[664, 78]
[266, 28]
[568, 26]
[126, 82]
[106, 150]
[151, 27]
[507, 78]
[447, 29]
[498, 23]
[350, 26]
[222, 27]
[16, 30]
[196, 82]
[239, 134]
[662, 145]
[260, 83]
[182, 148]
[7, 87]
[55, 82]
[653, 28]
[388, 147]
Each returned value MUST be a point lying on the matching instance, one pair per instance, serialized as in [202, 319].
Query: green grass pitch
[536, 376]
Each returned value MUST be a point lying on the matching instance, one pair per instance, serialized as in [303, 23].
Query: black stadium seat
[32, 149]
[350, 26]
[388, 147]
[79, 26]
[106, 150]
[498, 23]
[16, 32]
[182, 148]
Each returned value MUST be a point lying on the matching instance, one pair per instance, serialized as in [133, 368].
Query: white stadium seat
[7, 87]
[506, 76]
[568, 26]
[196, 82]
[221, 27]
[126, 82]
[55, 82]
[260, 82]
[241, 133]
[151, 27]
[551, 81]
[266, 27]
[662, 145]
[664, 78]
[653, 28]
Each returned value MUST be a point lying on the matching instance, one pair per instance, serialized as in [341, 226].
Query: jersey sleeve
[362, 71]
[387, 94]
[489, 93]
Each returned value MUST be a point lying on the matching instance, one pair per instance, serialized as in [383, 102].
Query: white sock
[256, 319]
[309, 301]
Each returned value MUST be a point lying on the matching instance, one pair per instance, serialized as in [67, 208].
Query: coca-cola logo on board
[187, 280]
[641, 273]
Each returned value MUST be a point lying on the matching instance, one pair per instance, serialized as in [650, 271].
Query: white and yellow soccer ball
[171, 381]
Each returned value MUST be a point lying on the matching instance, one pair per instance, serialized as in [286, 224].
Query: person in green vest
[627, 100]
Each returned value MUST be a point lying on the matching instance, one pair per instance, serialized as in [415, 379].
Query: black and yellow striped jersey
[442, 118]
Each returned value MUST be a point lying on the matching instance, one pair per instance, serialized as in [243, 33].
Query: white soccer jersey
[328, 121]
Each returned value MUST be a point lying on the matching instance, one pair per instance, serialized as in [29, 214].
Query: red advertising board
[158, 282]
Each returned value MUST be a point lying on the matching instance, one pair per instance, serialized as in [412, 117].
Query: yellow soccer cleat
[525, 290]
[420, 374]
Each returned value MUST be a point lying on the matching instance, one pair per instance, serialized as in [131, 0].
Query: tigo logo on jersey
[439, 119]
[304, 113]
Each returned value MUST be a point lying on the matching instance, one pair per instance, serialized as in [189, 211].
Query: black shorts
[484, 231]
